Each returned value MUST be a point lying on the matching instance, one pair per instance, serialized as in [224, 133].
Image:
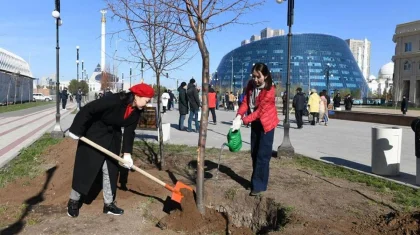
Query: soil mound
[400, 223]
[191, 221]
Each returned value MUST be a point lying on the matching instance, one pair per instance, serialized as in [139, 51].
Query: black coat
[79, 96]
[192, 95]
[404, 105]
[337, 101]
[64, 95]
[299, 101]
[348, 103]
[183, 101]
[101, 121]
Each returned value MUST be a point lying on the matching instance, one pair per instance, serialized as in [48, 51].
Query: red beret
[143, 90]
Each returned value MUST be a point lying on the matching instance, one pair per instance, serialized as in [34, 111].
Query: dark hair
[183, 84]
[299, 89]
[192, 80]
[261, 67]
[127, 97]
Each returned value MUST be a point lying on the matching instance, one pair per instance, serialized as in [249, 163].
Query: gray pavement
[22, 112]
[346, 143]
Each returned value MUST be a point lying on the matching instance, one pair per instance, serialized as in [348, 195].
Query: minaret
[103, 12]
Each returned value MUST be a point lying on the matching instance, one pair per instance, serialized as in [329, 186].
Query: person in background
[226, 101]
[182, 104]
[327, 97]
[217, 99]
[284, 99]
[231, 100]
[348, 102]
[165, 100]
[79, 96]
[404, 105]
[108, 92]
[64, 97]
[299, 106]
[337, 101]
[194, 105]
[323, 108]
[260, 105]
[212, 103]
[171, 100]
[101, 121]
[313, 104]
[241, 97]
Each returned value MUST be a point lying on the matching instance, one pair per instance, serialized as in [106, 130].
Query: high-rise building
[407, 62]
[361, 52]
[264, 34]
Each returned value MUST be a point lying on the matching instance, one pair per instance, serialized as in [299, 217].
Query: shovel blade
[176, 194]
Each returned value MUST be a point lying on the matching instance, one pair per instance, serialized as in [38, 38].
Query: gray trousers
[106, 187]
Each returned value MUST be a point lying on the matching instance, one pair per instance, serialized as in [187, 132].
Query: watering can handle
[116, 157]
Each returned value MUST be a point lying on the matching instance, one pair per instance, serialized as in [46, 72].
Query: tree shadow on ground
[210, 165]
[148, 151]
[17, 227]
[403, 177]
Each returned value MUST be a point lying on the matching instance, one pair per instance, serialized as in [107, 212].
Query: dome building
[312, 55]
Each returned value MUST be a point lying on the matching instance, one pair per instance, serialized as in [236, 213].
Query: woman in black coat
[182, 104]
[101, 121]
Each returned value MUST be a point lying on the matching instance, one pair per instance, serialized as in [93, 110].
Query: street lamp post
[286, 149]
[231, 78]
[57, 131]
[122, 82]
[83, 78]
[327, 76]
[142, 67]
[242, 78]
[77, 61]
[131, 73]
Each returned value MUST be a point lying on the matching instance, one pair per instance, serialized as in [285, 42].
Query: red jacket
[212, 100]
[266, 110]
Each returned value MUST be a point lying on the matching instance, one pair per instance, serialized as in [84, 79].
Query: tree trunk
[160, 161]
[203, 124]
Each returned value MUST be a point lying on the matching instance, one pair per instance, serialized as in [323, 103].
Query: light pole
[242, 78]
[122, 83]
[327, 76]
[131, 74]
[286, 149]
[142, 67]
[77, 61]
[231, 78]
[83, 78]
[57, 132]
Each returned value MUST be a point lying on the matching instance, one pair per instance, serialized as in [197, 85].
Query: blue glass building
[312, 56]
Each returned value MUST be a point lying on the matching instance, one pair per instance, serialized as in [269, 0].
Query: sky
[27, 29]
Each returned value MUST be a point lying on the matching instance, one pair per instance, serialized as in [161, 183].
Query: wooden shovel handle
[116, 157]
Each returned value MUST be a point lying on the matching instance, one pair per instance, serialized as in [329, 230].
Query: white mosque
[384, 81]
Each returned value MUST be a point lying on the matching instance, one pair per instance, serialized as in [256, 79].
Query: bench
[381, 118]
[148, 122]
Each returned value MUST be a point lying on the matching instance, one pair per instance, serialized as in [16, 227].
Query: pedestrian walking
[165, 100]
[101, 121]
[218, 99]
[259, 102]
[348, 102]
[212, 103]
[231, 100]
[171, 100]
[194, 105]
[64, 96]
[337, 101]
[404, 105]
[284, 99]
[299, 106]
[313, 104]
[323, 108]
[79, 95]
[182, 104]
[226, 101]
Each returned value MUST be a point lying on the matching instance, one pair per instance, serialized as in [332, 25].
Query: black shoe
[255, 193]
[73, 208]
[112, 209]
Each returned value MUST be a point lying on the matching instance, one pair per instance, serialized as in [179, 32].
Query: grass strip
[16, 107]
[27, 162]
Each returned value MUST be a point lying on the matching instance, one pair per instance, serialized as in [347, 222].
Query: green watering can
[234, 142]
[234, 139]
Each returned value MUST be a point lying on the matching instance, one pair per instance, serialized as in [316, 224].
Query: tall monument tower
[103, 12]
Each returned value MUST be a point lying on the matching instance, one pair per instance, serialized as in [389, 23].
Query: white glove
[128, 161]
[236, 123]
[73, 136]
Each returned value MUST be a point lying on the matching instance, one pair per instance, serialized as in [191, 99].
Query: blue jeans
[193, 114]
[181, 122]
[261, 145]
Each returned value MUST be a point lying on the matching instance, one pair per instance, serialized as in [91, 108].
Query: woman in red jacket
[212, 103]
[259, 104]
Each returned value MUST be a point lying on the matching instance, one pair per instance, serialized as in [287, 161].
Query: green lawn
[15, 107]
[26, 164]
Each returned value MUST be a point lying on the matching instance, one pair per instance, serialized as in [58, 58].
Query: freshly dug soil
[191, 221]
[400, 223]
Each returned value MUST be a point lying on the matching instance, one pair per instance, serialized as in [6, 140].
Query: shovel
[176, 193]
